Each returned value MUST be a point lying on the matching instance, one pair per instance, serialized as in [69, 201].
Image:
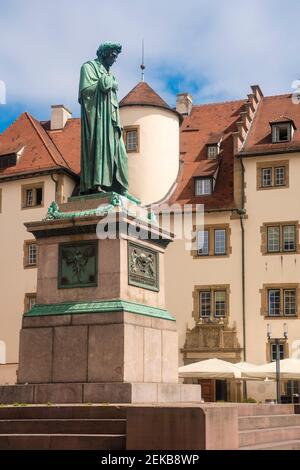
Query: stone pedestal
[100, 331]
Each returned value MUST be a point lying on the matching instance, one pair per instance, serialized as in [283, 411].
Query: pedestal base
[100, 393]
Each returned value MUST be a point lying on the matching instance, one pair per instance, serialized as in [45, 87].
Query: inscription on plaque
[143, 267]
[78, 265]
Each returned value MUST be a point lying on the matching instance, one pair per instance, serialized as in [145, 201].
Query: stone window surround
[26, 264]
[264, 301]
[285, 348]
[211, 241]
[212, 288]
[271, 164]
[27, 297]
[0, 200]
[264, 238]
[26, 187]
[128, 129]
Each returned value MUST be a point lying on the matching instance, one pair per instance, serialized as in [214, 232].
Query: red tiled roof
[143, 94]
[39, 151]
[260, 138]
[196, 131]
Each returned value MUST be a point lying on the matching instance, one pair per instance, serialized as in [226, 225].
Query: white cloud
[226, 46]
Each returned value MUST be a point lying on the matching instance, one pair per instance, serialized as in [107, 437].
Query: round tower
[151, 135]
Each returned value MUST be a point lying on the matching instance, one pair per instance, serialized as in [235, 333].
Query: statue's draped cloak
[103, 153]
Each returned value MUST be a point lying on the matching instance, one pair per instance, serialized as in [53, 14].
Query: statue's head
[108, 52]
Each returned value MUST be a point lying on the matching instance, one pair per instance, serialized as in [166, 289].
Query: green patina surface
[102, 196]
[107, 306]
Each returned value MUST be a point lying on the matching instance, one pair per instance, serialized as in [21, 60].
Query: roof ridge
[37, 127]
[219, 102]
[283, 95]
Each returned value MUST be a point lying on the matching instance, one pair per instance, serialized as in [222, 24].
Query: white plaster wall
[154, 169]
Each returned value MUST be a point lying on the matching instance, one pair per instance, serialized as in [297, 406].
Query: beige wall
[154, 169]
[15, 281]
[272, 205]
[183, 273]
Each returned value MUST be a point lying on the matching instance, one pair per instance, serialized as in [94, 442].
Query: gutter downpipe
[241, 213]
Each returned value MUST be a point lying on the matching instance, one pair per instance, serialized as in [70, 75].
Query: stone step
[62, 442]
[261, 436]
[287, 445]
[63, 412]
[63, 426]
[265, 421]
[261, 410]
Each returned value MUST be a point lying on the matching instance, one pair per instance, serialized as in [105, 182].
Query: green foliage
[249, 400]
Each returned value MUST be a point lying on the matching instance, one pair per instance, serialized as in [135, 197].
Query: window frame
[272, 166]
[27, 299]
[213, 290]
[213, 151]
[211, 229]
[203, 180]
[33, 187]
[283, 288]
[27, 244]
[276, 128]
[128, 129]
[281, 228]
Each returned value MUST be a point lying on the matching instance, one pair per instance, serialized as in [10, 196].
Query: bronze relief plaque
[78, 263]
[143, 267]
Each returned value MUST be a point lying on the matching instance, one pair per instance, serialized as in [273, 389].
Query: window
[280, 300]
[205, 304]
[274, 351]
[281, 132]
[203, 242]
[203, 186]
[212, 151]
[30, 254]
[30, 301]
[213, 241]
[213, 302]
[279, 176]
[220, 242]
[7, 161]
[32, 195]
[281, 238]
[266, 177]
[131, 138]
[274, 302]
[272, 175]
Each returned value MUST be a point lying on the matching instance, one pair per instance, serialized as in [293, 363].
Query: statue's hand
[115, 86]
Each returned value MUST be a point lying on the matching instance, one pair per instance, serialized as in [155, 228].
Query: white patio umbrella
[289, 370]
[211, 369]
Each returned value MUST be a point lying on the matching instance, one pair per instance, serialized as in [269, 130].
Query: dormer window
[7, 161]
[212, 151]
[282, 129]
[203, 186]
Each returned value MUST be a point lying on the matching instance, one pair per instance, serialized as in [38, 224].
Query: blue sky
[213, 49]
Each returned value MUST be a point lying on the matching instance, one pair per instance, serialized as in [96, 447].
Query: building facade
[240, 159]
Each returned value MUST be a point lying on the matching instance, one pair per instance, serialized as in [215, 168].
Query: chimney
[59, 116]
[184, 103]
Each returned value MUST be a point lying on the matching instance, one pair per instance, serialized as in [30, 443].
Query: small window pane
[289, 238]
[212, 151]
[205, 304]
[32, 254]
[274, 302]
[203, 186]
[282, 133]
[290, 301]
[131, 140]
[203, 248]
[274, 354]
[29, 198]
[266, 177]
[38, 196]
[220, 300]
[220, 242]
[280, 176]
[273, 239]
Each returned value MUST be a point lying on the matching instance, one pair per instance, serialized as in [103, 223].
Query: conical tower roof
[143, 95]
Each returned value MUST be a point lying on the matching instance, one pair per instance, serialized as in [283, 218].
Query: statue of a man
[104, 162]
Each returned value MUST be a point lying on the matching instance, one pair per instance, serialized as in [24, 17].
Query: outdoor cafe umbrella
[289, 370]
[211, 369]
